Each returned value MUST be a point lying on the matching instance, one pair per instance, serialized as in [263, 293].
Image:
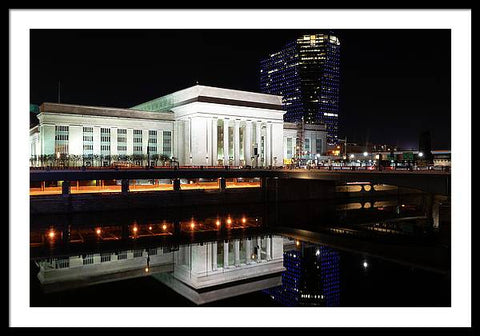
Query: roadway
[432, 181]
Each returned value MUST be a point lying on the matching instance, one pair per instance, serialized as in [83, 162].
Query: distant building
[306, 73]
[34, 110]
[442, 158]
[425, 146]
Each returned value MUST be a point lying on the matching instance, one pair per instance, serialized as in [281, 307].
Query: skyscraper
[306, 72]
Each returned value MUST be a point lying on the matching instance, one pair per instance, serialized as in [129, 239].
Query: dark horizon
[395, 83]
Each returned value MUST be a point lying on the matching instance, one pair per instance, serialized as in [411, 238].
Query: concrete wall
[274, 190]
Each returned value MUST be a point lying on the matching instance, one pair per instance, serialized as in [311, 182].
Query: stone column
[214, 256]
[225, 143]
[214, 151]
[248, 250]
[268, 144]
[236, 251]
[159, 141]
[248, 143]
[225, 254]
[236, 143]
[258, 139]
[269, 247]
[259, 251]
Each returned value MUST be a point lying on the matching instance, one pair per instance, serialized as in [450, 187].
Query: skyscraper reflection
[311, 278]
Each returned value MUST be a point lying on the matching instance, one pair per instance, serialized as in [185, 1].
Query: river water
[381, 252]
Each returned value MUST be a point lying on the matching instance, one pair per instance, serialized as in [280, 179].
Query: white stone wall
[200, 134]
[77, 122]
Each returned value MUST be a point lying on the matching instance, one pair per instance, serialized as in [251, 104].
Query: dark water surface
[382, 252]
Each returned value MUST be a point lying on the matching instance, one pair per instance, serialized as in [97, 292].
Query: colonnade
[253, 250]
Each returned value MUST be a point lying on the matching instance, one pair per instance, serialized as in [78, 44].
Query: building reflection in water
[202, 272]
[311, 278]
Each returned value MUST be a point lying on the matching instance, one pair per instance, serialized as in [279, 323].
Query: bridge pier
[176, 227]
[66, 234]
[222, 183]
[176, 184]
[125, 186]
[66, 188]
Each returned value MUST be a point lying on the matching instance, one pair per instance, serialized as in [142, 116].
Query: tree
[164, 158]
[155, 158]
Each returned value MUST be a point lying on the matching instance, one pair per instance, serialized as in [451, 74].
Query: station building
[197, 126]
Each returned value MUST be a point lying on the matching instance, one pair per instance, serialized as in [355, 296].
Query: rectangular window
[61, 140]
[122, 141]
[242, 142]
[220, 140]
[104, 257]
[230, 142]
[319, 146]
[105, 141]
[137, 253]
[152, 142]
[167, 143]
[62, 263]
[88, 141]
[88, 259]
[138, 140]
[289, 148]
[122, 255]
[307, 145]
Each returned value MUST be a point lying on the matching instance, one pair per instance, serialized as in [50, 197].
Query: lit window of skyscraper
[306, 72]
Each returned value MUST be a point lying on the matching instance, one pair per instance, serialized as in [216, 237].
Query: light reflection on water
[230, 257]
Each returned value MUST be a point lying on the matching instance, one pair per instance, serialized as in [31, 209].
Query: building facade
[200, 125]
[306, 72]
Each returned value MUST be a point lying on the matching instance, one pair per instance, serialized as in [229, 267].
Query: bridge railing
[200, 167]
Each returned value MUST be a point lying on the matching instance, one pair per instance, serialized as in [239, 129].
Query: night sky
[395, 83]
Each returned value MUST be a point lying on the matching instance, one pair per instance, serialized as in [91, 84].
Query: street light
[365, 153]
[420, 154]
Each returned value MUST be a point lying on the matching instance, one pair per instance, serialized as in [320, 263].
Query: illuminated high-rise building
[306, 72]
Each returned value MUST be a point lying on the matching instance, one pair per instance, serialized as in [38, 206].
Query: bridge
[430, 181]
